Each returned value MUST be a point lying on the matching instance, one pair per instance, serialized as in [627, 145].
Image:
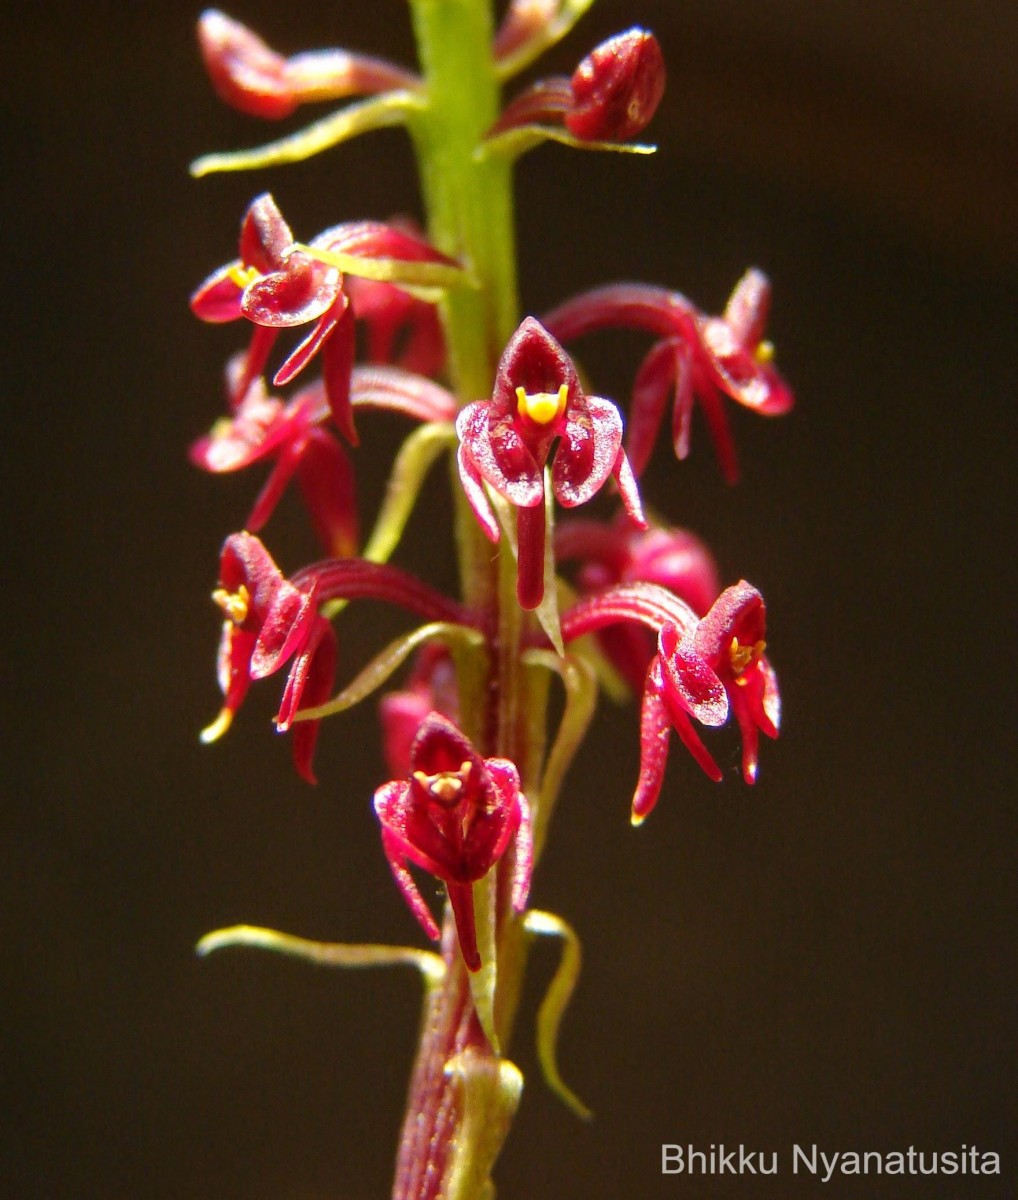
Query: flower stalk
[474, 769]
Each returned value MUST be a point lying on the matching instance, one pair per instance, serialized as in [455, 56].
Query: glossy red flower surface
[255, 79]
[293, 436]
[270, 621]
[704, 669]
[699, 359]
[275, 285]
[614, 552]
[455, 816]
[617, 88]
[731, 638]
[729, 644]
[611, 96]
[537, 404]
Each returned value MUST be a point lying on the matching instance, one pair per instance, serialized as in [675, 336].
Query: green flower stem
[469, 205]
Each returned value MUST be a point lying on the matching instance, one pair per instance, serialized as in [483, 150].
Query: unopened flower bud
[617, 88]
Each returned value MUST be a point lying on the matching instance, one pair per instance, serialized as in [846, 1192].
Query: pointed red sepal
[308, 684]
[455, 817]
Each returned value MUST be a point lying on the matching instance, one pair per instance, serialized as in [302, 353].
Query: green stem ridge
[446, 1148]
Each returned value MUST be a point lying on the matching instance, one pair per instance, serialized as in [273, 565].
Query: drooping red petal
[655, 732]
[500, 456]
[327, 481]
[299, 358]
[338, 354]
[473, 488]
[218, 298]
[688, 678]
[652, 387]
[313, 674]
[386, 799]
[629, 490]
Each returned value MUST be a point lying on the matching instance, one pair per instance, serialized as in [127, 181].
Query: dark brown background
[827, 958]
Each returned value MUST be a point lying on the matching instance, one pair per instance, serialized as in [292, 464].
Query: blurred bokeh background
[827, 958]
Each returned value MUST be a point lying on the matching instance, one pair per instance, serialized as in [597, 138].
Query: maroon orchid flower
[729, 642]
[698, 359]
[270, 621]
[255, 79]
[455, 816]
[703, 669]
[615, 552]
[276, 285]
[261, 428]
[731, 639]
[611, 96]
[506, 441]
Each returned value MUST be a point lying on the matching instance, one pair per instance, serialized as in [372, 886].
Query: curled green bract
[555, 1002]
[380, 112]
[415, 458]
[514, 143]
[325, 954]
[383, 665]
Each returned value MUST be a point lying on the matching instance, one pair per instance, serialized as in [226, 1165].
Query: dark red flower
[729, 644]
[703, 669]
[431, 687]
[262, 428]
[506, 441]
[615, 552]
[275, 285]
[270, 621]
[611, 97]
[455, 817]
[731, 638]
[252, 77]
[401, 329]
[699, 359]
[617, 88]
